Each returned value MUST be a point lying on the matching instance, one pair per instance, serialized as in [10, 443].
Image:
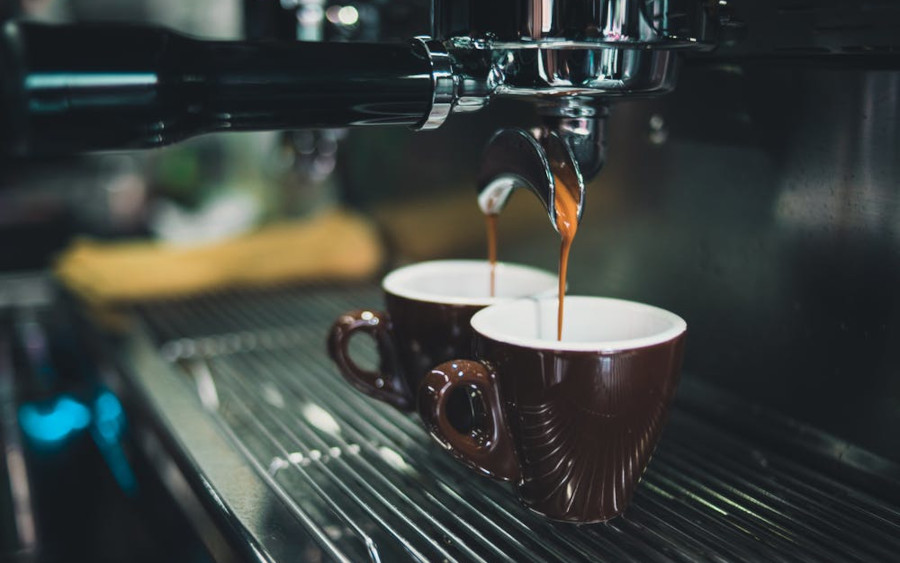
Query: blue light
[109, 422]
[53, 423]
[108, 416]
[62, 80]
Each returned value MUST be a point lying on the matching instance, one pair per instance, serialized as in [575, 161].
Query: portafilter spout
[570, 149]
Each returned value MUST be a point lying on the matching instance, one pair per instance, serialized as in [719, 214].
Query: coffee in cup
[427, 321]
[571, 423]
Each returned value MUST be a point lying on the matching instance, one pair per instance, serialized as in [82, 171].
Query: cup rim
[394, 282]
[677, 326]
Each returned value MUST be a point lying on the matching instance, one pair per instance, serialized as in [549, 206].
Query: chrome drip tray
[303, 467]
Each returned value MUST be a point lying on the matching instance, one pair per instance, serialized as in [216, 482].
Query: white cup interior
[589, 324]
[467, 282]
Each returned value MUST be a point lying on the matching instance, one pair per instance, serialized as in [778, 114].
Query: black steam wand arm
[95, 87]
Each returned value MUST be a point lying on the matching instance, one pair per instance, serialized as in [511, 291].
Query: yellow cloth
[333, 246]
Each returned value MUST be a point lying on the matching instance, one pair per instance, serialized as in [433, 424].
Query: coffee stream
[566, 203]
[492, 248]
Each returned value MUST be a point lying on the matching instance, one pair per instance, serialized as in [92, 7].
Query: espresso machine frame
[757, 198]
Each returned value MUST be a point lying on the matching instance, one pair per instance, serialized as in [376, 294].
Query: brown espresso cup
[429, 309]
[571, 423]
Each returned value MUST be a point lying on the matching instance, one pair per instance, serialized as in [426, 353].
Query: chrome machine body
[572, 59]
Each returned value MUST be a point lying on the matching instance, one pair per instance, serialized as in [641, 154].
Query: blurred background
[759, 201]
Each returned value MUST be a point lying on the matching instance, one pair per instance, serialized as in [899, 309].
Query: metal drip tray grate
[364, 482]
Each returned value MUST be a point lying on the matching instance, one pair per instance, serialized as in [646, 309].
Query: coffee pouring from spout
[568, 149]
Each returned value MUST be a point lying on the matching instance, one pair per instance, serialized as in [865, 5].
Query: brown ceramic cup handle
[385, 384]
[487, 449]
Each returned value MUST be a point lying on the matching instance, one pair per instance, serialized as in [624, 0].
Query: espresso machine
[156, 87]
[740, 159]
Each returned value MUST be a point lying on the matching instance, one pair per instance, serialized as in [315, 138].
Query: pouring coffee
[548, 166]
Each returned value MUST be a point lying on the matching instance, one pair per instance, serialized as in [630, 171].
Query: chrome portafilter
[572, 59]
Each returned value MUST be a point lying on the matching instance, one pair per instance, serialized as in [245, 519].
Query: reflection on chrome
[206, 386]
[320, 418]
[272, 395]
[276, 465]
[394, 459]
